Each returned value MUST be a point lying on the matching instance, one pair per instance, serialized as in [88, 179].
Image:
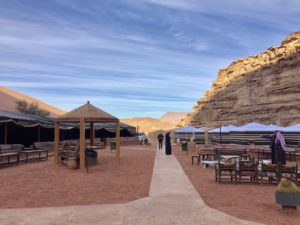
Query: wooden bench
[7, 159]
[29, 155]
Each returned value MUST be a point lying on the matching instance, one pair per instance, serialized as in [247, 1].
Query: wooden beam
[92, 133]
[82, 143]
[5, 133]
[118, 141]
[56, 142]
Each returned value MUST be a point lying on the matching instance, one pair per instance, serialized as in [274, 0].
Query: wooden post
[5, 133]
[206, 137]
[118, 140]
[92, 133]
[56, 142]
[38, 133]
[82, 144]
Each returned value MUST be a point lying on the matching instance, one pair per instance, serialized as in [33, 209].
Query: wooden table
[25, 155]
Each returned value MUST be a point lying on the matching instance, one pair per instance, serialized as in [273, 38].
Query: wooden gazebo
[87, 113]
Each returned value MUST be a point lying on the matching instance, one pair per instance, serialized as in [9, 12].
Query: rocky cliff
[263, 88]
[172, 117]
[148, 124]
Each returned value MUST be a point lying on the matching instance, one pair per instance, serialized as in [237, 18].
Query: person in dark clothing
[168, 144]
[272, 147]
[280, 148]
[160, 138]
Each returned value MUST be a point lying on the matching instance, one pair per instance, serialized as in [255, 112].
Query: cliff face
[147, 124]
[172, 117]
[263, 88]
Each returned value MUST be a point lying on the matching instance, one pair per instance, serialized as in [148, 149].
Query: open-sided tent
[256, 127]
[189, 129]
[293, 128]
[87, 113]
[224, 129]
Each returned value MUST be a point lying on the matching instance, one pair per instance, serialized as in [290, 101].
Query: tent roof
[256, 127]
[189, 129]
[224, 129]
[89, 112]
[293, 128]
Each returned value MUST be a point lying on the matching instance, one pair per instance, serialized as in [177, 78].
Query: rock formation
[172, 117]
[148, 124]
[264, 88]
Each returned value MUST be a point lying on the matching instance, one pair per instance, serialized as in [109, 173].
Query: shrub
[287, 186]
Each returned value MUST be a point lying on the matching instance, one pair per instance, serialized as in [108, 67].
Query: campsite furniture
[270, 171]
[249, 170]
[7, 159]
[29, 155]
[71, 153]
[291, 154]
[11, 148]
[49, 145]
[112, 145]
[91, 157]
[289, 172]
[208, 163]
[225, 171]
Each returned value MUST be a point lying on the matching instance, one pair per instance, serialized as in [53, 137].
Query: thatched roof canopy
[89, 112]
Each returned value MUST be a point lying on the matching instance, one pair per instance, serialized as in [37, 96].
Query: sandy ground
[246, 201]
[44, 184]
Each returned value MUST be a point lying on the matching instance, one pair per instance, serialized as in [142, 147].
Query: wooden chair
[247, 170]
[271, 171]
[227, 170]
[71, 152]
[289, 172]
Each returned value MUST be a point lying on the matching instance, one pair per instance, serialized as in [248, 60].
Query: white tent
[293, 128]
[224, 129]
[256, 127]
[189, 129]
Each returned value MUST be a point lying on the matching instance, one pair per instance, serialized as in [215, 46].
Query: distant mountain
[148, 124]
[173, 117]
[9, 97]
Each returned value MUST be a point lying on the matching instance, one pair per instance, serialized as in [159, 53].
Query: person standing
[280, 148]
[168, 144]
[272, 147]
[160, 138]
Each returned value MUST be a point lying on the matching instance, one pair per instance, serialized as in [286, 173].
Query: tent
[189, 129]
[293, 128]
[256, 127]
[224, 129]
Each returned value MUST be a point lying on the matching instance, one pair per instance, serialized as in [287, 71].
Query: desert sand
[45, 184]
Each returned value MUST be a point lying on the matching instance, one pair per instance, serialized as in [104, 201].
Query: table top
[229, 156]
[9, 154]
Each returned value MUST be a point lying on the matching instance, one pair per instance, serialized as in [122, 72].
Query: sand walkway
[172, 200]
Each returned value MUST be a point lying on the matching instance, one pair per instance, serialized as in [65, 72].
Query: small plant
[287, 186]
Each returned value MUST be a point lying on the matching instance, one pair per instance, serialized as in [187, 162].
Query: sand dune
[9, 97]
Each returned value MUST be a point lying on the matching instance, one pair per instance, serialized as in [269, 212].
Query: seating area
[236, 163]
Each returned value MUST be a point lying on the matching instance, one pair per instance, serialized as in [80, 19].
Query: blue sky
[132, 57]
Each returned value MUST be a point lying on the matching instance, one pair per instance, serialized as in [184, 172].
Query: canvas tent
[25, 129]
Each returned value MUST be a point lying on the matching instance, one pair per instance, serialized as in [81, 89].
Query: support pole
[5, 133]
[118, 140]
[82, 144]
[56, 142]
[206, 137]
[92, 134]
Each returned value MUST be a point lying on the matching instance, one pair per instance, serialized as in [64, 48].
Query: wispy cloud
[148, 55]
